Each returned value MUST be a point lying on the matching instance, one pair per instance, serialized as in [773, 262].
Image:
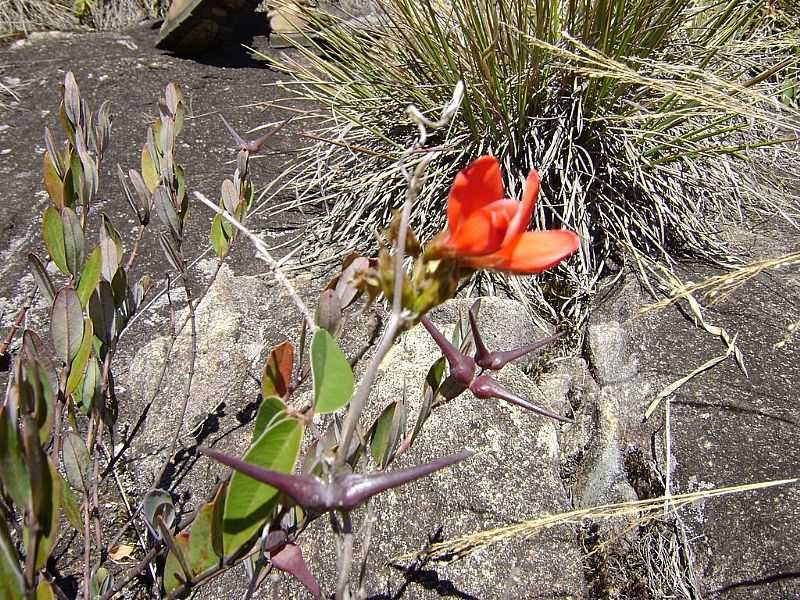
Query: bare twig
[264, 254]
[17, 323]
[187, 390]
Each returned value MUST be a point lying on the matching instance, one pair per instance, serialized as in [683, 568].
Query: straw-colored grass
[26, 16]
[654, 125]
[637, 513]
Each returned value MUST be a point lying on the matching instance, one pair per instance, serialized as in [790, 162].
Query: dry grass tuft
[639, 512]
[648, 146]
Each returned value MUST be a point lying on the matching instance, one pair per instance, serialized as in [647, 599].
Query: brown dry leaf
[120, 553]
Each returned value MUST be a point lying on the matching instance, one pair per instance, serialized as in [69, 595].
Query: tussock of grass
[65, 15]
[36, 15]
[653, 125]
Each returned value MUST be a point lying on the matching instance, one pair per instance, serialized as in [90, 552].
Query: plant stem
[265, 255]
[188, 386]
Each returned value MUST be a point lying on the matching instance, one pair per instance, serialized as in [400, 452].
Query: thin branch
[264, 254]
[397, 318]
[187, 389]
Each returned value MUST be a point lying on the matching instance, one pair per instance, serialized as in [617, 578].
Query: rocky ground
[724, 428]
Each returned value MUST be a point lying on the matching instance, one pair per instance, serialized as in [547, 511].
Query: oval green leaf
[90, 276]
[66, 323]
[248, 502]
[333, 377]
[76, 461]
[13, 472]
[53, 236]
[73, 240]
[172, 566]
[78, 366]
[270, 407]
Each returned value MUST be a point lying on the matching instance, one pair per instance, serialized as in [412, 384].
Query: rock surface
[236, 320]
[514, 476]
[727, 429]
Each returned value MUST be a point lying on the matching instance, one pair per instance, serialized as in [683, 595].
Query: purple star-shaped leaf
[497, 360]
[462, 367]
[252, 146]
[345, 492]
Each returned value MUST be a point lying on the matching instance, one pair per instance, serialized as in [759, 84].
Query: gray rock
[513, 477]
[727, 429]
[601, 477]
[608, 353]
[237, 319]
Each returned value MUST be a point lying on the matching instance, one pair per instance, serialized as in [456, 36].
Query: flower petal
[522, 218]
[483, 231]
[479, 184]
[532, 252]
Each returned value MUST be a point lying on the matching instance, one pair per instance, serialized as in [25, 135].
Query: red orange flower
[487, 230]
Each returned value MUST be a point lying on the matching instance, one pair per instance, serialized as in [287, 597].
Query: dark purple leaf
[305, 490]
[485, 387]
[462, 367]
[354, 489]
[497, 360]
[345, 493]
[255, 145]
[290, 560]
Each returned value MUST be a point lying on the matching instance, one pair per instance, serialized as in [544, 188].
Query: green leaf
[87, 393]
[42, 396]
[66, 323]
[53, 236]
[110, 259]
[90, 276]
[73, 240]
[76, 461]
[172, 566]
[45, 500]
[52, 181]
[333, 378]
[101, 583]
[220, 236]
[102, 311]
[69, 186]
[433, 381]
[13, 472]
[78, 188]
[379, 436]
[216, 524]
[44, 591]
[201, 553]
[50, 531]
[166, 211]
[10, 570]
[270, 407]
[149, 171]
[248, 502]
[71, 506]
[109, 232]
[43, 281]
[78, 365]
